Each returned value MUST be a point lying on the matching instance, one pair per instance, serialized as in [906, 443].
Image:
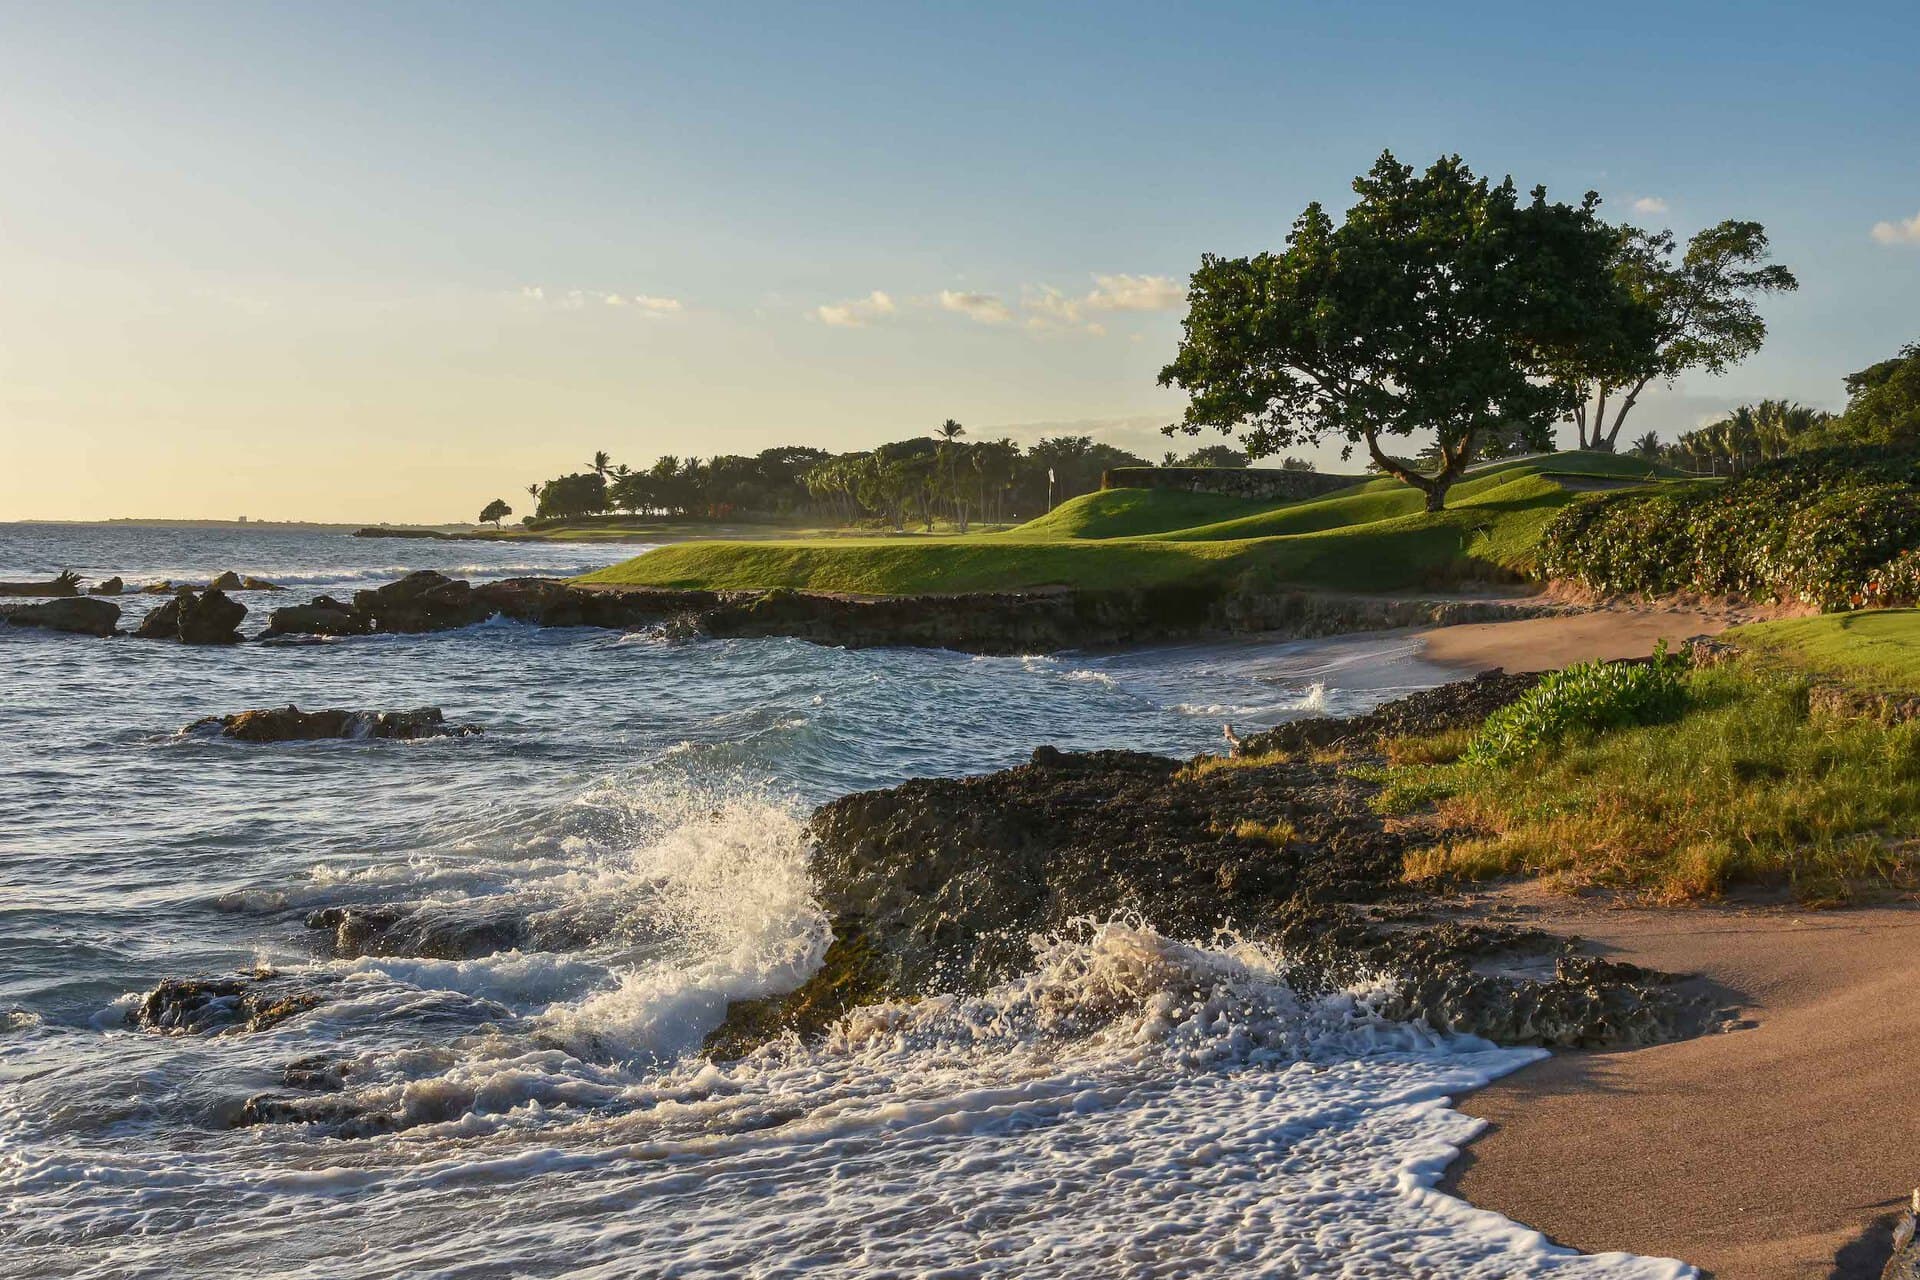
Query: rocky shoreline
[949, 885]
[983, 622]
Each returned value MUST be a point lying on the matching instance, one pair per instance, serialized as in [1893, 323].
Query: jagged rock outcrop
[79, 615]
[1449, 706]
[209, 617]
[939, 884]
[291, 724]
[110, 587]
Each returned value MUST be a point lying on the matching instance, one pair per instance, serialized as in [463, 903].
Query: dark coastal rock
[64, 584]
[161, 588]
[245, 1002]
[322, 616]
[422, 601]
[78, 615]
[291, 724]
[939, 885]
[973, 622]
[161, 622]
[1459, 705]
[111, 587]
[442, 932]
[210, 618]
[231, 581]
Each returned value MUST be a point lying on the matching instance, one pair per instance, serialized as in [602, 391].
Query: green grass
[1747, 788]
[1877, 648]
[1373, 537]
[1131, 513]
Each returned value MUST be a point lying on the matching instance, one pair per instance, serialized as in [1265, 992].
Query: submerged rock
[444, 932]
[79, 615]
[291, 724]
[245, 1002]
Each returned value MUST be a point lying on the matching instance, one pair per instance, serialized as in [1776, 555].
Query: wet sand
[1778, 1150]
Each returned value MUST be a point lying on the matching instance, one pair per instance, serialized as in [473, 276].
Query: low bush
[1589, 697]
[1815, 529]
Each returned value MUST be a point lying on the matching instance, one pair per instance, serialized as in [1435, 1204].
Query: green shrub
[1589, 697]
[1814, 528]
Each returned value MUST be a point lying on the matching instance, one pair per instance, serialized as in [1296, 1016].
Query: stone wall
[1259, 483]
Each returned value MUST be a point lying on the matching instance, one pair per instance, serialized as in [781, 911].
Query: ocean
[1134, 1106]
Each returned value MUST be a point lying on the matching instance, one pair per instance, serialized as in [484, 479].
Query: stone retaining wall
[1258, 483]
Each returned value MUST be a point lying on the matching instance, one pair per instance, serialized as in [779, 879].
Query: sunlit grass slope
[1374, 537]
[1879, 648]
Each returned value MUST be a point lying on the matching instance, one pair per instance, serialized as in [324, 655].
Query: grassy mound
[1374, 537]
[1131, 513]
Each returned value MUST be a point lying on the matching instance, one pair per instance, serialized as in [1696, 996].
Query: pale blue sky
[354, 261]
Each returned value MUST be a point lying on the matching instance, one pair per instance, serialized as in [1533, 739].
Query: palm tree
[1647, 446]
[601, 464]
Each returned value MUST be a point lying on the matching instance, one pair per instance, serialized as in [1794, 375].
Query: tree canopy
[1704, 309]
[496, 511]
[1440, 303]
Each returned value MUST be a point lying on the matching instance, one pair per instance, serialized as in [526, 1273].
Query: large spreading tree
[1706, 315]
[1442, 303]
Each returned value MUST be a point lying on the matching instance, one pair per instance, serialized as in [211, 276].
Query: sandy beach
[1780, 1149]
[1608, 632]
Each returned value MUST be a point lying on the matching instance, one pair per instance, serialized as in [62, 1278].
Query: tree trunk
[1620, 417]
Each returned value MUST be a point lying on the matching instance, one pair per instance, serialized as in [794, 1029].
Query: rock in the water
[322, 616]
[162, 622]
[245, 1002]
[79, 614]
[444, 932]
[210, 618]
[421, 601]
[161, 588]
[65, 584]
[291, 724]
[111, 587]
[228, 581]
[251, 583]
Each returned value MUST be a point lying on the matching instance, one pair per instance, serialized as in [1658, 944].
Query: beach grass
[1749, 787]
[1372, 538]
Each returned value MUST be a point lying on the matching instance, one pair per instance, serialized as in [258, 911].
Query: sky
[362, 262]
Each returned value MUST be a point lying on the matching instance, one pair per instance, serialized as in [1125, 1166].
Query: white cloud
[645, 302]
[578, 299]
[1049, 308]
[1136, 293]
[984, 308]
[1649, 204]
[1905, 231]
[857, 313]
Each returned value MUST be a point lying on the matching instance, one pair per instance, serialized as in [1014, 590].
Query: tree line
[1883, 408]
[942, 476]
